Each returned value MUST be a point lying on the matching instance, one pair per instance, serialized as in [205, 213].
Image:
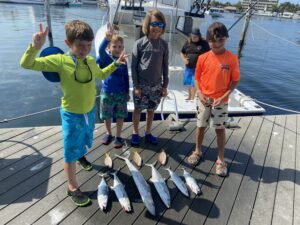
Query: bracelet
[115, 63]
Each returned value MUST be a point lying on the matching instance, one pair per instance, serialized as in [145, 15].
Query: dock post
[48, 17]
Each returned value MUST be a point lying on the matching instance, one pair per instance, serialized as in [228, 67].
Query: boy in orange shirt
[217, 75]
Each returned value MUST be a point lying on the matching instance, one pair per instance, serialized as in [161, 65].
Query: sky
[280, 1]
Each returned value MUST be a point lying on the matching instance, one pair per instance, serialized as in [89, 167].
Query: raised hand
[122, 59]
[110, 31]
[38, 39]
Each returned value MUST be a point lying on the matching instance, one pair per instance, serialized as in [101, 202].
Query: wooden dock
[263, 186]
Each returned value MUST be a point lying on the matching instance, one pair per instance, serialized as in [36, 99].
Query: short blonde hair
[78, 30]
[147, 20]
[116, 38]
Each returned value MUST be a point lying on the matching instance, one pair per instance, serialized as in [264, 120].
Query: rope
[276, 107]
[274, 35]
[31, 114]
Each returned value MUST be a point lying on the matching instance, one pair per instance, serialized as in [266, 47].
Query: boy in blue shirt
[115, 88]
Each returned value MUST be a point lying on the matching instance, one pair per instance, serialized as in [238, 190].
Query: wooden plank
[201, 206]
[65, 204]
[284, 201]
[263, 207]
[147, 154]
[20, 139]
[176, 159]
[56, 186]
[36, 187]
[13, 134]
[45, 148]
[291, 123]
[242, 209]
[179, 203]
[227, 194]
[297, 177]
[16, 152]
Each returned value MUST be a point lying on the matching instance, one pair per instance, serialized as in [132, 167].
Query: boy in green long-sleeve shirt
[77, 72]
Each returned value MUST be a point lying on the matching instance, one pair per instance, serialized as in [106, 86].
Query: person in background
[150, 73]
[115, 88]
[189, 54]
[77, 72]
[217, 75]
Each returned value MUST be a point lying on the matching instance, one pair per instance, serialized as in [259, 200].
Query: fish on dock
[108, 160]
[191, 182]
[178, 182]
[137, 159]
[160, 185]
[103, 192]
[121, 194]
[141, 184]
[162, 157]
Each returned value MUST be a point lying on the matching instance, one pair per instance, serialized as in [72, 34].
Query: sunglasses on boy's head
[157, 24]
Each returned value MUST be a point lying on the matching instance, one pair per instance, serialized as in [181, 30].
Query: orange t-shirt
[214, 73]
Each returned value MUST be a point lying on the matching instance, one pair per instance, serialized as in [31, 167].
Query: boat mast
[47, 11]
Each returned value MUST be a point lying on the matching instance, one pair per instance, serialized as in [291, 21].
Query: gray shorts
[150, 98]
[213, 116]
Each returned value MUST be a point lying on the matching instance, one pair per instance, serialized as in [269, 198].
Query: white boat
[215, 12]
[75, 3]
[264, 13]
[287, 15]
[129, 23]
[296, 16]
[36, 2]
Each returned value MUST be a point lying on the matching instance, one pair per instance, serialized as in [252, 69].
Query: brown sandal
[194, 158]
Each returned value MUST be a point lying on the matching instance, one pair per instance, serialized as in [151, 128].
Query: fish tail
[151, 164]
[120, 157]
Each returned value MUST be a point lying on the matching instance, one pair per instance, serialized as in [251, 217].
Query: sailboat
[181, 17]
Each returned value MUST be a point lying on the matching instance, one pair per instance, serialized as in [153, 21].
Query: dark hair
[216, 31]
[147, 20]
[78, 30]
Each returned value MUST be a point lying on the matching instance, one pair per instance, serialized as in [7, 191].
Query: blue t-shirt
[118, 81]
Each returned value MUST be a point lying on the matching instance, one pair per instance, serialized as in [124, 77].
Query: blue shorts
[113, 105]
[188, 77]
[77, 131]
[150, 98]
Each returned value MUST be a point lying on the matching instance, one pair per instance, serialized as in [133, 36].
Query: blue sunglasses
[157, 24]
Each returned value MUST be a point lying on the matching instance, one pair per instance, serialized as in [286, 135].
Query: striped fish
[191, 182]
[178, 182]
[142, 186]
[160, 185]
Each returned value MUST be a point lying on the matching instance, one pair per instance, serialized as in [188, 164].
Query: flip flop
[194, 158]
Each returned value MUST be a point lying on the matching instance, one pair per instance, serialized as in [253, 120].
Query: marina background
[269, 65]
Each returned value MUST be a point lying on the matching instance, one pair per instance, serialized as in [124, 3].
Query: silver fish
[142, 186]
[121, 194]
[160, 185]
[191, 182]
[102, 194]
[178, 182]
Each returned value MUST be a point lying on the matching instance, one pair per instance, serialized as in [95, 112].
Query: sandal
[194, 158]
[221, 169]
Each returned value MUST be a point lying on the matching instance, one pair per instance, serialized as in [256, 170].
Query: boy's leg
[107, 123]
[70, 171]
[192, 93]
[119, 127]
[199, 139]
[136, 120]
[74, 192]
[221, 144]
[149, 120]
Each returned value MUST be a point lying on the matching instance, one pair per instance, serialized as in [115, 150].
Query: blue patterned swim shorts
[150, 98]
[77, 130]
[113, 105]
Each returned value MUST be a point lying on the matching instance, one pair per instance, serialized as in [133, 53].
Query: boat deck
[263, 186]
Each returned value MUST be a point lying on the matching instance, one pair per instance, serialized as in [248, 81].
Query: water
[269, 66]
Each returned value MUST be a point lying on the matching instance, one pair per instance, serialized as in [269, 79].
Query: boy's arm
[105, 72]
[134, 66]
[102, 51]
[166, 68]
[50, 63]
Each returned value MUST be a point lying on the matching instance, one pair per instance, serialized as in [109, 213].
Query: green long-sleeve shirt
[77, 97]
